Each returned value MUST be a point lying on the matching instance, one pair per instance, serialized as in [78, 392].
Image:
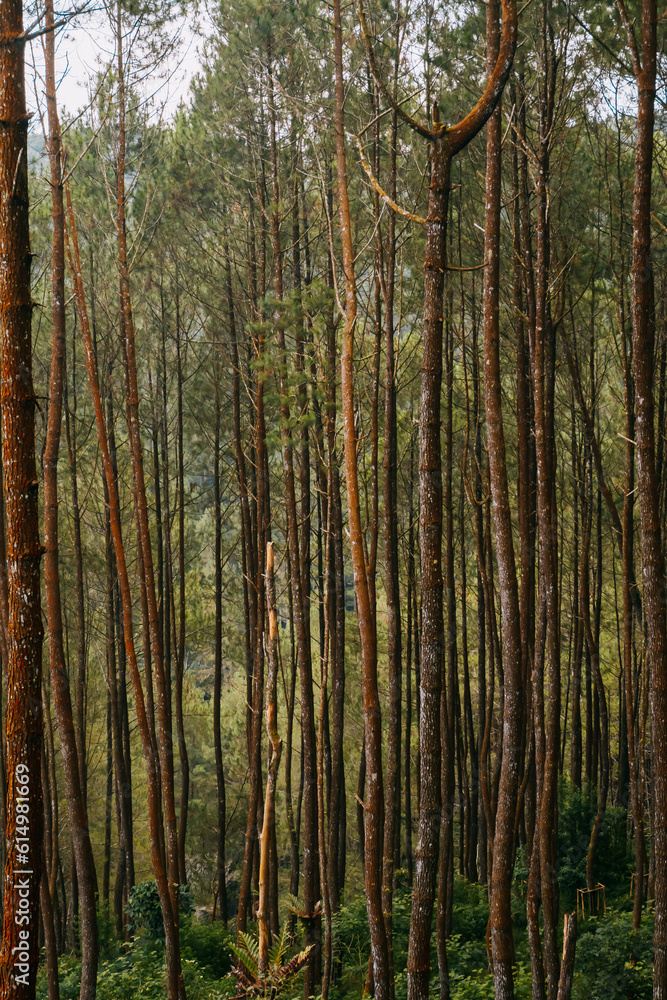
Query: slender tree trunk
[175, 986]
[392, 807]
[164, 742]
[593, 648]
[180, 645]
[221, 884]
[321, 820]
[50, 940]
[575, 729]
[543, 372]
[311, 877]
[373, 805]
[634, 759]
[275, 751]
[337, 811]
[411, 600]
[72, 755]
[566, 980]
[80, 702]
[432, 626]
[262, 531]
[503, 843]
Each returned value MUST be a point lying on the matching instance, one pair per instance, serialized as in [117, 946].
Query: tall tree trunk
[72, 755]
[575, 729]
[180, 644]
[321, 820]
[444, 144]
[592, 643]
[165, 747]
[23, 728]
[543, 372]
[411, 600]
[634, 757]
[275, 751]
[373, 805]
[337, 811]
[653, 566]
[262, 532]
[311, 877]
[80, 701]
[221, 884]
[392, 808]
[175, 986]
[503, 844]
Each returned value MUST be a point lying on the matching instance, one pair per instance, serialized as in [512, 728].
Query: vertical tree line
[353, 577]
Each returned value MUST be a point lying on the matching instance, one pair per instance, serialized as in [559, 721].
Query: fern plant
[279, 973]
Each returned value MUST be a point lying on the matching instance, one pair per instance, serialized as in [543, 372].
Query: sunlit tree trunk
[373, 803]
[275, 751]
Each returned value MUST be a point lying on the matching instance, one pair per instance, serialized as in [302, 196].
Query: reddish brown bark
[653, 566]
[164, 742]
[23, 732]
[374, 804]
[72, 752]
[220, 875]
[311, 876]
[511, 747]
[392, 591]
[175, 987]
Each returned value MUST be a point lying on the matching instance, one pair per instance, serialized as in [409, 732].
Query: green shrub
[207, 945]
[138, 974]
[70, 978]
[613, 960]
[466, 948]
[613, 858]
[145, 912]
[470, 910]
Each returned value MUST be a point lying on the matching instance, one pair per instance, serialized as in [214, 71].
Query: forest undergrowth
[612, 959]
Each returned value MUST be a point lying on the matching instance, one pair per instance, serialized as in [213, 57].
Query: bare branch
[383, 194]
[632, 41]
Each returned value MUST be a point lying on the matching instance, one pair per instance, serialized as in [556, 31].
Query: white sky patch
[85, 47]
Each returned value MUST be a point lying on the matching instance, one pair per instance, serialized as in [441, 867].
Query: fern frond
[241, 978]
[251, 944]
[245, 957]
[278, 950]
[290, 969]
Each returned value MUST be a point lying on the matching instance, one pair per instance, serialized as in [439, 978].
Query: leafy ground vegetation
[613, 959]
